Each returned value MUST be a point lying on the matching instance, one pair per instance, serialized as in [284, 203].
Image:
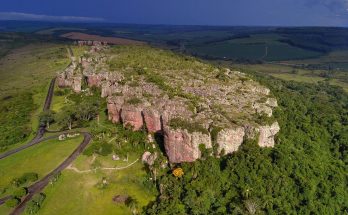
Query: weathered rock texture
[149, 158]
[229, 139]
[267, 133]
[182, 146]
[150, 99]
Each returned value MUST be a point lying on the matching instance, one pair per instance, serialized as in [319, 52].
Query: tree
[12, 202]
[46, 118]
[132, 204]
[20, 192]
[66, 117]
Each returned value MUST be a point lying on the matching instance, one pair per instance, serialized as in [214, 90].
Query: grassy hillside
[24, 76]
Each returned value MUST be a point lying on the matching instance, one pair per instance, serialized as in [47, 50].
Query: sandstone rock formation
[182, 146]
[132, 116]
[152, 120]
[229, 139]
[151, 98]
[114, 107]
[267, 133]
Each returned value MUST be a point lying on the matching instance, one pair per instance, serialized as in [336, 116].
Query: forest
[306, 173]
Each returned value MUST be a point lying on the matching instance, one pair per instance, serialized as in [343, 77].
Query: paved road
[38, 186]
[41, 130]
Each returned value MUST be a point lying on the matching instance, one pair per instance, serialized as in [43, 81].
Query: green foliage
[12, 202]
[132, 204]
[99, 147]
[304, 174]
[46, 118]
[61, 92]
[15, 113]
[34, 205]
[81, 111]
[20, 192]
[179, 123]
[134, 101]
[25, 178]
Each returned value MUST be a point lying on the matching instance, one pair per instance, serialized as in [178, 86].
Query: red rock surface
[182, 146]
[152, 120]
[114, 109]
[131, 116]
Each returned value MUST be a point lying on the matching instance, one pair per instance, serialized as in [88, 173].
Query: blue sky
[189, 12]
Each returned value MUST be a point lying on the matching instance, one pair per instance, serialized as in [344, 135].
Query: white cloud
[40, 17]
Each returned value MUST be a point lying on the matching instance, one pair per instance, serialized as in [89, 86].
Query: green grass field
[50, 153]
[29, 69]
[257, 47]
[76, 193]
[31, 66]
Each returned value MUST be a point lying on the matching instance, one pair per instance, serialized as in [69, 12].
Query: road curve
[39, 185]
[41, 130]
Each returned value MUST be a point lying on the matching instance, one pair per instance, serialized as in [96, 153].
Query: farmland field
[256, 47]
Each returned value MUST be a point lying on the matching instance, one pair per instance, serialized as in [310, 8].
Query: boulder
[267, 133]
[132, 116]
[229, 139]
[182, 146]
[149, 158]
[152, 119]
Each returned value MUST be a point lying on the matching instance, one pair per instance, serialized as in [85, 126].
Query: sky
[182, 12]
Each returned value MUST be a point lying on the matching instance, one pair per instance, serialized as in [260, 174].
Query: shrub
[179, 123]
[134, 101]
[20, 192]
[26, 177]
[12, 202]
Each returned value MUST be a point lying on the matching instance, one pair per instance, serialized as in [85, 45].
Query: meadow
[78, 193]
[51, 153]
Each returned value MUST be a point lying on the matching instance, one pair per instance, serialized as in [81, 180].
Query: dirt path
[101, 168]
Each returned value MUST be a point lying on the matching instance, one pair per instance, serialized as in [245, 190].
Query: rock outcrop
[182, 146]
[267, 133]
[152, 98]
[149, 158]
[153, 120]
[229, 139]
[114, 107]
[132, 116]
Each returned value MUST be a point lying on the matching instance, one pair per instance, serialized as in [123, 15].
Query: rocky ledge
[185, 105]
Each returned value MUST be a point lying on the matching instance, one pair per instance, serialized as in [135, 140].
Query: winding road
[38, 186]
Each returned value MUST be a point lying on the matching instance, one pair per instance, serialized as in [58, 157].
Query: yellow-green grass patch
[41, 159]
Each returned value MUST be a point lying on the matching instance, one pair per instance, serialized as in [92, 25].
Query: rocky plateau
[180, 98]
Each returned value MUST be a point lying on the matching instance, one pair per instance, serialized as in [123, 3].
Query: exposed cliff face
[114, 108]
[267, 133]
[153, 120]
[132, 116]
[181, 146]
[151, 98]
[230, 139]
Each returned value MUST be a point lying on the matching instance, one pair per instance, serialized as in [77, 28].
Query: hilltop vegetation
[304, 174]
